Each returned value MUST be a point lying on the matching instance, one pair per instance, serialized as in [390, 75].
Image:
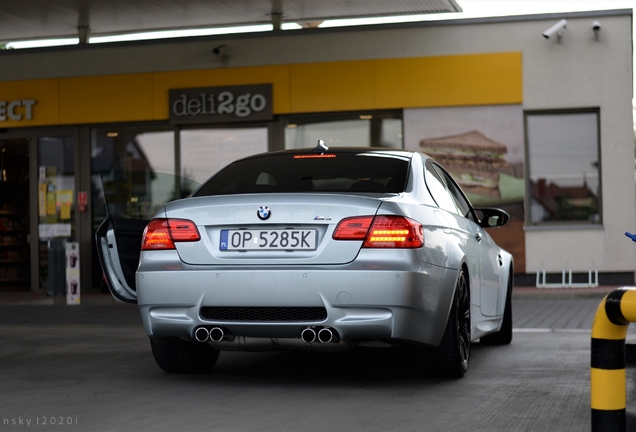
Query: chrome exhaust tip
[201, 334]
[217, 334]
[325, 335]
[308, 335]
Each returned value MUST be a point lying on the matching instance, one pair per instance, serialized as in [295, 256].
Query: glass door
[56, 210]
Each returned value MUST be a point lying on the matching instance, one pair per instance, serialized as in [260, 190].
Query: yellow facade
[459, 80]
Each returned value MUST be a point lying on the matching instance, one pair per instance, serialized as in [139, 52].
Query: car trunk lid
[306, 214]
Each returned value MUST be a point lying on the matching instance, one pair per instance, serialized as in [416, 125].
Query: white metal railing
[592, 282]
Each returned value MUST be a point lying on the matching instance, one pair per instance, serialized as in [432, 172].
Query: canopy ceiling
[43, 19]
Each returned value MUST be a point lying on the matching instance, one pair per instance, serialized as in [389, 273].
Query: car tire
[504, 335]
[177, 356]
[451, 358]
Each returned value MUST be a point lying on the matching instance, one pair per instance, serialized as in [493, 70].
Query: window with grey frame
[437, 187]
[461, 202]
[346, 129]
[563, 155]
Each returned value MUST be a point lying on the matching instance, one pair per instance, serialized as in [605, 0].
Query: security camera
[596, 26]
[555, 30]
[220, 50]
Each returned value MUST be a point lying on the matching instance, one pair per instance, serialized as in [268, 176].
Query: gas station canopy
[44, 19]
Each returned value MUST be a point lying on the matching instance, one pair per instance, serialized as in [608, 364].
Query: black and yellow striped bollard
[607, 372]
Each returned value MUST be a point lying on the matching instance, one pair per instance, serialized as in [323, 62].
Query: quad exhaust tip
[201, 334]
[322, 335]
[308, 335]
[325, 335]
[215, 334]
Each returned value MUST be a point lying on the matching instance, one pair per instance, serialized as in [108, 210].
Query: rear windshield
[287, 172]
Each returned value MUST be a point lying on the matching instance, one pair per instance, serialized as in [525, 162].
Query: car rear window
[307, 172]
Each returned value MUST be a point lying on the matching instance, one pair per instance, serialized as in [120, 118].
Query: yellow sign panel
[478, 79]
[333, 86]
[37, 99]
[109, 98]
[419, 82]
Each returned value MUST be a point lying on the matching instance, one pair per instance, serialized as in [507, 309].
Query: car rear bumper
[361, 300]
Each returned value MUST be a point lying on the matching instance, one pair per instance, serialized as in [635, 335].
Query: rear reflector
[353, 228]
[160, 234]
[183, 230]
[386, 231]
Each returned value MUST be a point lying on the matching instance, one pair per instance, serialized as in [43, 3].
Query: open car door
[118, 238]
[118, 247]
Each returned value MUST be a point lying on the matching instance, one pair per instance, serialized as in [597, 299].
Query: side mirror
[492, 217]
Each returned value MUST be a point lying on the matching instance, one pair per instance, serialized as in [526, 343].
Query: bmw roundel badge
[263, 212]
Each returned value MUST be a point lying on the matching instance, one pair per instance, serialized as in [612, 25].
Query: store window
[383, 129]
[132, 172]
[563, 167]
[206, 151]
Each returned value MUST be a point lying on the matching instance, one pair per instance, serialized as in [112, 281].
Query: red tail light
[385, 231]
[394, 232]
[160, 234]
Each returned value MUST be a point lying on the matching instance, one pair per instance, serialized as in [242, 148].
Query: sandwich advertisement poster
[481, 147]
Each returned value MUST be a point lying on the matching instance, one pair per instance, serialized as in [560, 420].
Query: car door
[485, 254]
[118, 247]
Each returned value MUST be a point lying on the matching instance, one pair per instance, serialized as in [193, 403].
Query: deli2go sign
[221, 104]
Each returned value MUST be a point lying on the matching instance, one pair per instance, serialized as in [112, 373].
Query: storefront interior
[14, 215]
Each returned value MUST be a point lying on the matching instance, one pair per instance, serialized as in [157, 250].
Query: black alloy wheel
[451, 358]
[463, 321]
[504, 335]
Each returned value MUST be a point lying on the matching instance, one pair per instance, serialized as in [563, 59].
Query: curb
[561, 293]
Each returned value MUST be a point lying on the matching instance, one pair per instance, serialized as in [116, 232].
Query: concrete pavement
[102, 378]
[91, 364]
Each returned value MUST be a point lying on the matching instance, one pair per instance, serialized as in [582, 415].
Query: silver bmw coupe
[317, 250]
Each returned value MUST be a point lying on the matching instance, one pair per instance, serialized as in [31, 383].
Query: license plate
[287, 239]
